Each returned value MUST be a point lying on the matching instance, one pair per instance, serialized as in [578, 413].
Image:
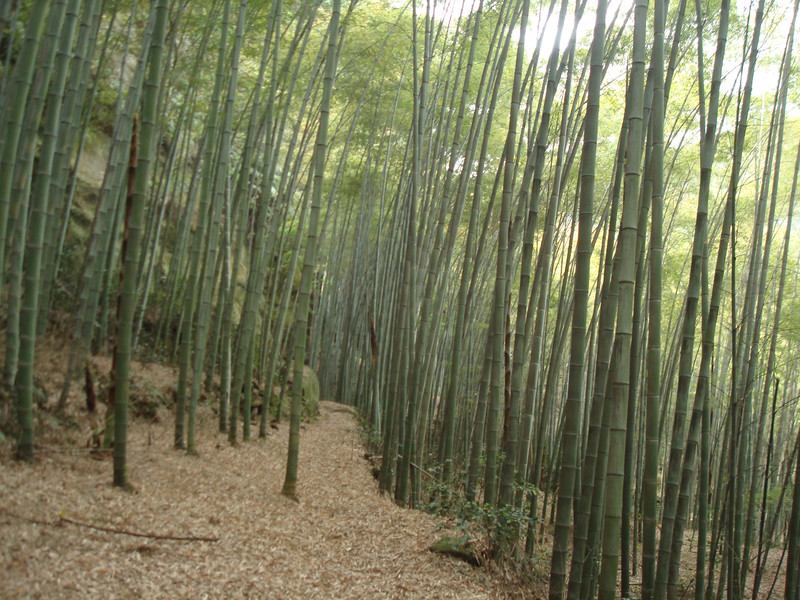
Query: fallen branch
[44, 450]
[34, 521]
[421, 470]
[153, 536]
[88, 450]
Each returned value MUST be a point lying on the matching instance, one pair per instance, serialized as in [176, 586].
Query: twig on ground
[423, 471]
[154, 536]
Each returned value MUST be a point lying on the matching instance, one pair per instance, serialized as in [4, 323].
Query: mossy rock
[310, 394]
[459, 548]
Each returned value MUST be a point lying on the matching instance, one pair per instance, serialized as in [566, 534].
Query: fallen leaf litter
[342, 540]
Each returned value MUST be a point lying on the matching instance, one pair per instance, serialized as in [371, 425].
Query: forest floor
[65, 532]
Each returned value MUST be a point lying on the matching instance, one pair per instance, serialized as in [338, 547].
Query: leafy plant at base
[496, 529]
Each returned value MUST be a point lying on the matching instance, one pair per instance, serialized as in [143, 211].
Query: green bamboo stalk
[496, 338]
[309, 263]
[64, 19]
[134, 223]
[626, 245]
[792, 585]
[707, 153]
[761, 562]
[190, 305]
[21, 170]
[102, 240]
[653, 381]
[220, 190]
[21, 82]
[410, 262]
[73, 105]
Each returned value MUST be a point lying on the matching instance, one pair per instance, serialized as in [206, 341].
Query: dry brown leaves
[341, 540]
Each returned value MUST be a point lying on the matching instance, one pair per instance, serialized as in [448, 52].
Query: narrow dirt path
[342, 540]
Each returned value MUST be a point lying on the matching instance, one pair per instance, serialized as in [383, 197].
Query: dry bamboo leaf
[344, 540]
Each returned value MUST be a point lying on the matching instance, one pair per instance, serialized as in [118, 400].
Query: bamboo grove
[546, 249]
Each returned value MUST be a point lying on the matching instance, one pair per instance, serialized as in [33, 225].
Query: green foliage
[311, 397]
[310, 393]
[369, 436]
[11, 35]
[773, 497]
[103, 109]
[497, 528]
